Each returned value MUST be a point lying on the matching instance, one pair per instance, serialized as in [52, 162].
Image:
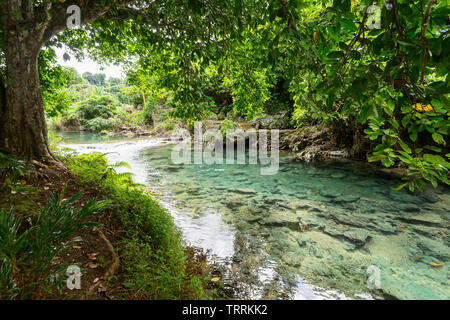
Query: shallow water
[80, 137]
[308, 232]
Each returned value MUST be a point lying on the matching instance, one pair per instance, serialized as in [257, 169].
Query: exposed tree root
[111, 270]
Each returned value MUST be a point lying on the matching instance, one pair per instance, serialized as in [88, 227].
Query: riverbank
[128, 250]
[348, 219]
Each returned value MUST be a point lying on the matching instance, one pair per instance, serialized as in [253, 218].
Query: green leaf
[366, 111]
[433, 148]
[389, 107]
[429, 158]
[394, 123]
[401, 186]
[377, 158]
[404, 146]
[335, 54]
[413, 135]
[387, 162]
[406, 119]
[438, 138]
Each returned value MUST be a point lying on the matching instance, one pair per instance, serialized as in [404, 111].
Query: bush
[28, 250]
[148, 109]
[100, 124]
[227, 126]
[97, 113]
[12, 172]
[168, 125]
[97, 107]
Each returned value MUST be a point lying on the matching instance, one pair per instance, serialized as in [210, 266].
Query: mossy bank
[152, 261]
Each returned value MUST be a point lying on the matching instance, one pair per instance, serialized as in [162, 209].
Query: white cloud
[88, 65]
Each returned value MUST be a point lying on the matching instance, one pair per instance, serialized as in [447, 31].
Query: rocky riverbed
[327, 224]
[311, 231]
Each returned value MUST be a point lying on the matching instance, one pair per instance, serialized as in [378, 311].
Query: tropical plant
[28, 249]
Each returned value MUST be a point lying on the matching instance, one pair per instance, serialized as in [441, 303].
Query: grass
[154, 262]
[37, 225]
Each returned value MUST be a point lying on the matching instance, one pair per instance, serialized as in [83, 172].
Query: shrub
[99, 124]
[168, 125]
[12, 173]
[28, 250]
[227, 126]
[148, 110]
[97, 107]
[97, 113]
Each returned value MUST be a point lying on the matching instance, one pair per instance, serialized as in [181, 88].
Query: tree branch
[425, 40]
[90, 11]
[289, 13]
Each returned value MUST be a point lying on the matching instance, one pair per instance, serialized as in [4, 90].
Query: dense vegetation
[93, 103]
[154, 263]
[375, 69]
[341, 63]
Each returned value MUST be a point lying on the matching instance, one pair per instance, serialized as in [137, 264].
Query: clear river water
[311, 231]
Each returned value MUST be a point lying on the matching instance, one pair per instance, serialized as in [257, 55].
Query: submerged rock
[409, 208]
[281, 219]
[426, 231]
[434, 248]
[307, 205]
[428, 219]
[384, 227]
[291, 259]
[235, 201]
[338, 175]
[342, 217]
[273, 200]
[343, 199]
[243, 191]
[412, 281]
[171, 168]
[302, 241]
[247, 215]
[327, 194]
[358, 237]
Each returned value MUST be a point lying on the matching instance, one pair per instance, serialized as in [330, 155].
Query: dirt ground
[91, 249]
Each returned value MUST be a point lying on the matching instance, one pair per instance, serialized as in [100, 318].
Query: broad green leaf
[404, 146]
[438, 138]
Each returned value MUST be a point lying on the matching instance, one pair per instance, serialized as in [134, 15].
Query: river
[311, 231]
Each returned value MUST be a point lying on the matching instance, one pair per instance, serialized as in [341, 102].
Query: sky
[87, 65]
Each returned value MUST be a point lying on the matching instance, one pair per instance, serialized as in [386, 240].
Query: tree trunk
[23, 129]
[27, 25]
[2, 96]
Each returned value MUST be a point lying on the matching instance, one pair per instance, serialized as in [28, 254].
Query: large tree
[27, 26]
[110, 28]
